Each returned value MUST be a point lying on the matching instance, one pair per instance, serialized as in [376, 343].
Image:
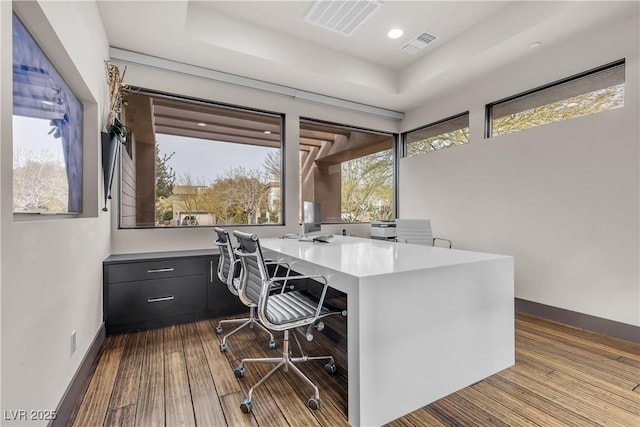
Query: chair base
[286, 361]
[248, 321]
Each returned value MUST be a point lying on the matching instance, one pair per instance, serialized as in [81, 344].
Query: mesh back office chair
[416, 231]
[228, 266]
[281, 311]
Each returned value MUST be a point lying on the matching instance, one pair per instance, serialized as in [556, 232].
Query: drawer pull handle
[159, 270]
[169, 298]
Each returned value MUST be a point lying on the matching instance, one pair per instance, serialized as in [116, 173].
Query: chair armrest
[315, 277]
[276, 263]
[275, 272]
[312, 276]
[444, 240]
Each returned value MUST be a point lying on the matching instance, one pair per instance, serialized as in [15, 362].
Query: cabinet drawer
[130, 302]
[153, 270]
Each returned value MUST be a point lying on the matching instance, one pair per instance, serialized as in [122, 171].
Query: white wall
[51, 277]
[142, 240]
[563, 198]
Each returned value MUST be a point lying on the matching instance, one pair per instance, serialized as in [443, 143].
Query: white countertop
[368, 257]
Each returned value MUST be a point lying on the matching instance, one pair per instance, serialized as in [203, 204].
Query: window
[47, 133]
[196, 163]
[436, 136]
[348, 171]
[591, 92]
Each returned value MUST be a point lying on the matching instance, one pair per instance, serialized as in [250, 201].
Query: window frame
[488, 131]
[405, 144]
[395, 149]
[76, 159]
[215, 104]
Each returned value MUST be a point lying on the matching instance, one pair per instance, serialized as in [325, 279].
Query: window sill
[37, 216]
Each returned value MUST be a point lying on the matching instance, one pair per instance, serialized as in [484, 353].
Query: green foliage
[581, 105]
[164, 210]
[165, 180]
[165, 175]
[240, 196]
[438, 142]
[367, 187]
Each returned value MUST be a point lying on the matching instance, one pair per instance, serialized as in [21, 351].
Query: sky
[24, 128]
[205, 160]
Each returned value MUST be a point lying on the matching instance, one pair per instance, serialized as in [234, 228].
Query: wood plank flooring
[177, 376]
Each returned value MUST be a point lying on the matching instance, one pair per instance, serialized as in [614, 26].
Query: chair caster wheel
[246, 406]
[272, 344]
[223, 348]
[218, 329]
[239, 373]
[330, 368]
[314, 403]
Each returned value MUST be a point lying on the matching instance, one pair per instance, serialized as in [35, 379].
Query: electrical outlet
[73, 342]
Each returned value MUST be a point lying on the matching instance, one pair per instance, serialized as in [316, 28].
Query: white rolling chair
[228, 267]
[417, 231]
[282, 311]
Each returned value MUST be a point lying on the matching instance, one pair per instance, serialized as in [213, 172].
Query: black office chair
[228, 267]
[281, 311]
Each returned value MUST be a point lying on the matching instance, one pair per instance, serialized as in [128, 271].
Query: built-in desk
[155, 289]
[422, 322]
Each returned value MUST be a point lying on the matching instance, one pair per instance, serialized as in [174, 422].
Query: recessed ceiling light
[267, 132]
[535, 45]
[46, 102]
[202, 124]
[395, 33]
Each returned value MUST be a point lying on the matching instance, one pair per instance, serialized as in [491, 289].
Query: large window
[47, 133]
[348, 171]
[194, 163]
[436, 136]
[591, 92]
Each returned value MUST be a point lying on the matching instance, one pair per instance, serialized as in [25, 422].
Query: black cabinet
[142, 291]
[220, 301]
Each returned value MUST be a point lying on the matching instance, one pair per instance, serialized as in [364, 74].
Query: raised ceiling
[147, 115]
[270, 41]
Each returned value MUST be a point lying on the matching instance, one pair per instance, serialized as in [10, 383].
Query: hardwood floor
[177, 376]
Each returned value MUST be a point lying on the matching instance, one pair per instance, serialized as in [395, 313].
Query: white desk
[422, 322]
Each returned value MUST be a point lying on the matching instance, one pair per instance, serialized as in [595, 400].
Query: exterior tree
[164, 211]
[367, 187]
[581, 105]
[272, 166]
[215, 205]
[238, 197]
[456, 137]
[39, 183]
[190, 195]
[165, 181]
[244, 192]
[273, 169]
[165, 175]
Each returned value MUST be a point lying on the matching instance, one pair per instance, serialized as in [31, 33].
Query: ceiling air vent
[343, 17]
[418, 43]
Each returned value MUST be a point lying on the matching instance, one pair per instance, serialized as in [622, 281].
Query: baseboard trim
[79, 383]
[580, 320]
